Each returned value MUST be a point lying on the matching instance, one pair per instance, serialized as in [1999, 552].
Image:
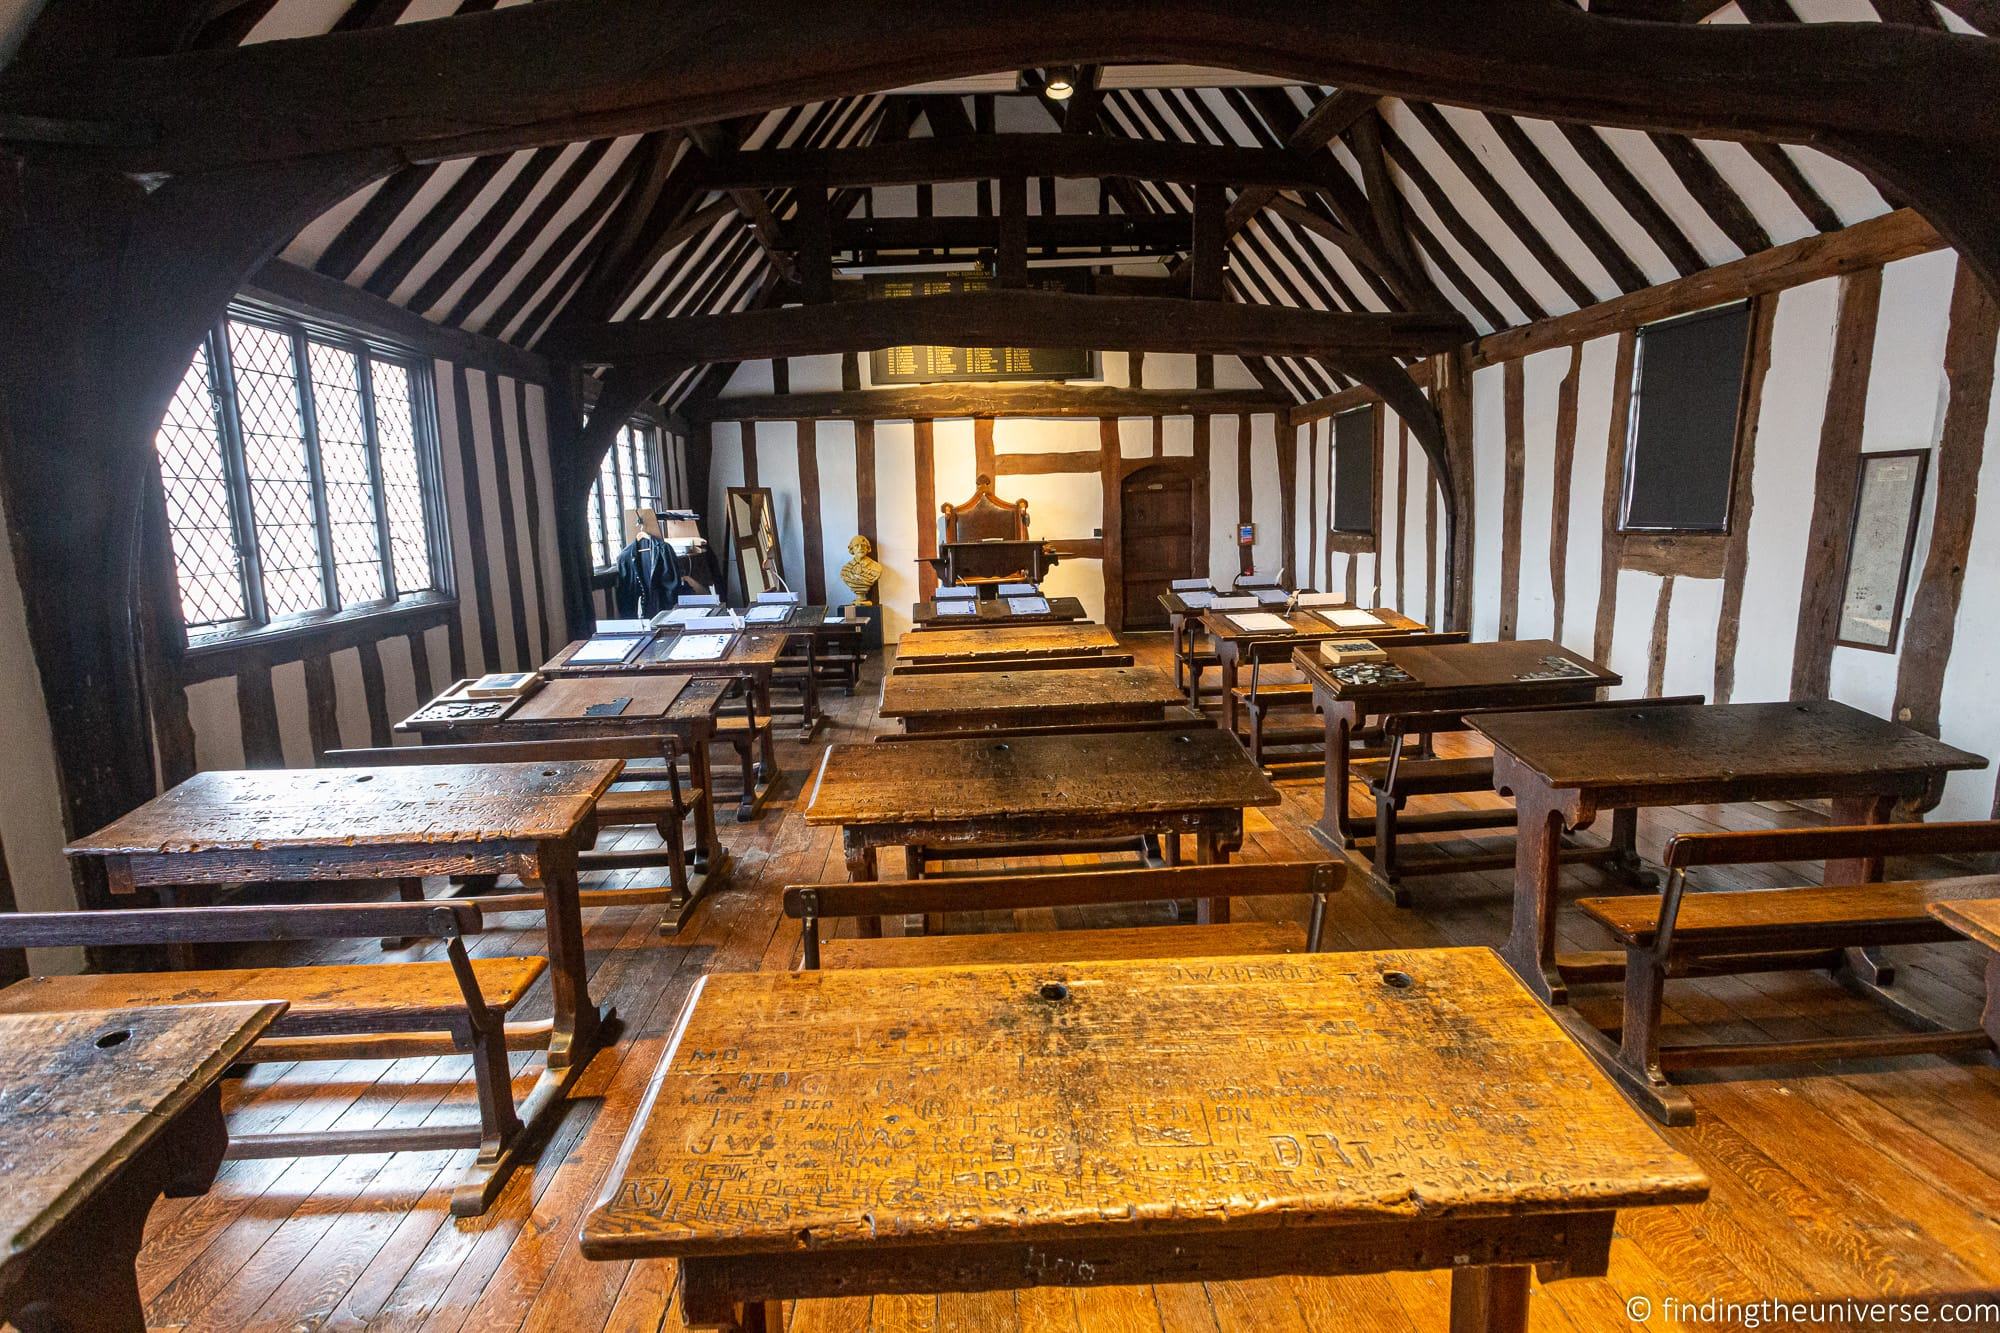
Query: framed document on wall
[1888, 502]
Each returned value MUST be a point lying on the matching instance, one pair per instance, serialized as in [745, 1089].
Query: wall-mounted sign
[1246, 534]
[958, 365]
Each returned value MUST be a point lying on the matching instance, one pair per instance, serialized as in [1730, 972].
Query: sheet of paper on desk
[1351, 618]
[1261, 622]
[604, 652]
[710, 623]
[623, 628]
[1028, 606]
[769, 613]
[1196, 598]
[1018, 590]
[954, 594]
[1273, 596]
[700, 648]
[682, 614]
[957, 607]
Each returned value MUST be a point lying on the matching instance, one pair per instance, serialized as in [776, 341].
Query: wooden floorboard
[1864, 1179]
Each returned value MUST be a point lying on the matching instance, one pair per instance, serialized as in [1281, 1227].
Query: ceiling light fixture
[1060, 83]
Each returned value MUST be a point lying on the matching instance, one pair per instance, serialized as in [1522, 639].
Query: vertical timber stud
[1453, 381]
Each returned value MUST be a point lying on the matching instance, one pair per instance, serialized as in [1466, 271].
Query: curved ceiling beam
[569, 69]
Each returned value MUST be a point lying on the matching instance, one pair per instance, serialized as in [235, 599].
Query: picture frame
[1881, 546]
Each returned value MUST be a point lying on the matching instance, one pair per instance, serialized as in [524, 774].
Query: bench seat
[641, 806]
[1058, 946]
[1887, 913]
[1426, 777]
[359, 995]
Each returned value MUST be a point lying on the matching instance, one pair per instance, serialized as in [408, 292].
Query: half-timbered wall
[272, 702]
[1892, 358]
[833, 478]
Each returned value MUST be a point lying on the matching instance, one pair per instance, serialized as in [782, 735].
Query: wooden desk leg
[1489, 1300]
[709, 856]
[574, 1034]
[1990, 1019]
[59, 1290]
[767, 768]
[1531, 947]
[1212, 848]
[1869, 967]
[862, 869]
[1333, 831]
[1225, 657]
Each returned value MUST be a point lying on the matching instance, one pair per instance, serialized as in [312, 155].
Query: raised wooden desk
[101, 1112]
[1308, 630]
[1562, 767]
[815, 1134]
[686, 709]
[1978, 919]
[752, 658]
[1446, 675]
[276, 825]
[1041, 789]
[1003, 642]
[973, 700]
[991, 612]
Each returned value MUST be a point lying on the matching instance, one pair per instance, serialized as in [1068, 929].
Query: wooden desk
[753, 658]
[276, 825]
[989, 613]
[1041, 789]
[661, 705]
[1448, 675]
[973, 700]
[1308, 630]
[102, 1112]
[1003, 642]
[1562, 767]
[1979, 919]
[1121, 1123]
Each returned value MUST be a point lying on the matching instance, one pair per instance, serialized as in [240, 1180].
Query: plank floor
[1857, 1181]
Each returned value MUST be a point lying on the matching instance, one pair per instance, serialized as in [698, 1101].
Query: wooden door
[1156, 532]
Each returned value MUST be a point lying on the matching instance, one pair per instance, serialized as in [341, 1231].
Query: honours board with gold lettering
[946, 365]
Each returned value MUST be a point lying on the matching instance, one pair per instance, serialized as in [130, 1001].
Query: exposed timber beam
[996, 156]
[1007, 318]
[933, 401]
[1158, 232]
[1909, 105]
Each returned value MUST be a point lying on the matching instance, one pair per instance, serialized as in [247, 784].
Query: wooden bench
[667, 809]
[1682, 934]
[810, 904]
[1303, 742]
[1393, 780]
[341, 1012]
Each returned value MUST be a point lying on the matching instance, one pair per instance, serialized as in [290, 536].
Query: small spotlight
[1061, 84]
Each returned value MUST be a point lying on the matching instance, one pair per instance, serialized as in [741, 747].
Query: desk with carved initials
[842, 1133]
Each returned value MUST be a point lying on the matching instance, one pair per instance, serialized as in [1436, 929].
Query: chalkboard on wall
[961, 365]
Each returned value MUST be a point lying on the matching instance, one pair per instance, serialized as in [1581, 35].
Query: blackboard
[960, 365]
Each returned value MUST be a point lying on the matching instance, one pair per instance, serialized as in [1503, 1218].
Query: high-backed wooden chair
[986, 517]
[812, 904]
[337, 1012]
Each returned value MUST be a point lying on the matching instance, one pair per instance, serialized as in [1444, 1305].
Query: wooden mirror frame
[769, 558]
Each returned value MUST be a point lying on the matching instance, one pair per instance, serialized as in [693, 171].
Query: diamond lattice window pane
[189, 445]
[276, 465]
[402, 483]
[343, 465]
